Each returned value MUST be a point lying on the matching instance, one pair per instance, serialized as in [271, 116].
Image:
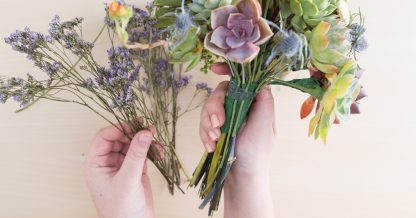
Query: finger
[117, 146]
[132, 167]
[221, 68]
[153, 130]
[262, 111]
[115, 133]
[125, 149]
[106, 137]
[156, 152]
[207, 127]
[110, 160]
[206, 140]
[148, 196]
[214, 106]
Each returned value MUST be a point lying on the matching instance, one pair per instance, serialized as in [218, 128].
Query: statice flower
[118, 79]
[204, 86]
[20, 90]
[26, 41]
[66, 33]
[179, 83]
[90, 84]
[3, 98]
[51, 69]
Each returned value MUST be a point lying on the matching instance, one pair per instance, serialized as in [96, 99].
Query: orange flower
[113, 8]
[116, 10]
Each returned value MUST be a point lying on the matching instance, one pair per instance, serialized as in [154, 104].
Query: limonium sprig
[139, 80]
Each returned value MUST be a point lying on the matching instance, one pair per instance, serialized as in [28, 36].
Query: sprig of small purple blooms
[204, 86]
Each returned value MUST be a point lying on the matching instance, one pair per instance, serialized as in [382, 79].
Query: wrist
[242, 193]
[243, 179]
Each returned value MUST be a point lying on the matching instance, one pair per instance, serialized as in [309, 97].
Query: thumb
[262, 110]
[221, 68]
[132, 167]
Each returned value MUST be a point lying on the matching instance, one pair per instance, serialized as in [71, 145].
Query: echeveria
[204, 7]
[238, 31]
[336, 103]
[187, 49]
[328, 45]
[308, 13]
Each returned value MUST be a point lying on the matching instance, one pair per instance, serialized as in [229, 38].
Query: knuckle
[211, 106]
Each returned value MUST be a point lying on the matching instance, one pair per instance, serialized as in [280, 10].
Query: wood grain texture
[366, 170]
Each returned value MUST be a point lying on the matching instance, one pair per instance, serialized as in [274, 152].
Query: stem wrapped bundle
[214, 167]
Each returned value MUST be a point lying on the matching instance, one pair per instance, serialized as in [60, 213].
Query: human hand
[115, 172]
[256, 136]
[248, 179]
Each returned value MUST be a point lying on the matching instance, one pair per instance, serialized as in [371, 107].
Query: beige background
[367, 170]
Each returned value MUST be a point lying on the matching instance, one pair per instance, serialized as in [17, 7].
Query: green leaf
[194, 62]
[296, 7]
[309, 8]
[163, 11]
[311, 86]
[161, 3]
[163, 22]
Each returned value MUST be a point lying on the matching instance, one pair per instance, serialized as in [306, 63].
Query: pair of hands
[115, 167]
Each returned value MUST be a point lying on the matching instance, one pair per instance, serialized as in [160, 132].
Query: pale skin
[115, 167]
[115, 171]
[247, 191]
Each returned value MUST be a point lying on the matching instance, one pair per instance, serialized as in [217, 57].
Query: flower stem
[60, 80]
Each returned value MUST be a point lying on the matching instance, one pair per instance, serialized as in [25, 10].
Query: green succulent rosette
[307, 14]
[187, 49]
[328, 45]
[336, 102]
[203, 8]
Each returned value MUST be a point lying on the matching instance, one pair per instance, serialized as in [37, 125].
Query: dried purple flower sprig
[136, 83]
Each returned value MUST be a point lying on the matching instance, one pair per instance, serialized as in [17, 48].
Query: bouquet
[139, 88]
[260, 41]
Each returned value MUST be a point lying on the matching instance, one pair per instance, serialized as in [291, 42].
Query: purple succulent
[238, 31]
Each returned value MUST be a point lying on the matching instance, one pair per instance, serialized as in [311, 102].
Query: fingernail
[209, 148]
[145, 138]
[215, 122]
[213, 135]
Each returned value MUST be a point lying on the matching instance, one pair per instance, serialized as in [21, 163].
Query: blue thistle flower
[290, 44]
[360, 45]
[356, 36]
[183, 23]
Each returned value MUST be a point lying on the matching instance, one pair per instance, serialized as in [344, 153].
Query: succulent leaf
[337, 102]
[329, 47]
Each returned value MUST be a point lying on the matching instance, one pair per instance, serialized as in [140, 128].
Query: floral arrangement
[259, 41]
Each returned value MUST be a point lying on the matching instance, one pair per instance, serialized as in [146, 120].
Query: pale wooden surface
[365, 171]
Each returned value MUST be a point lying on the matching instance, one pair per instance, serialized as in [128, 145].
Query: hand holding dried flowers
[139, 81]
